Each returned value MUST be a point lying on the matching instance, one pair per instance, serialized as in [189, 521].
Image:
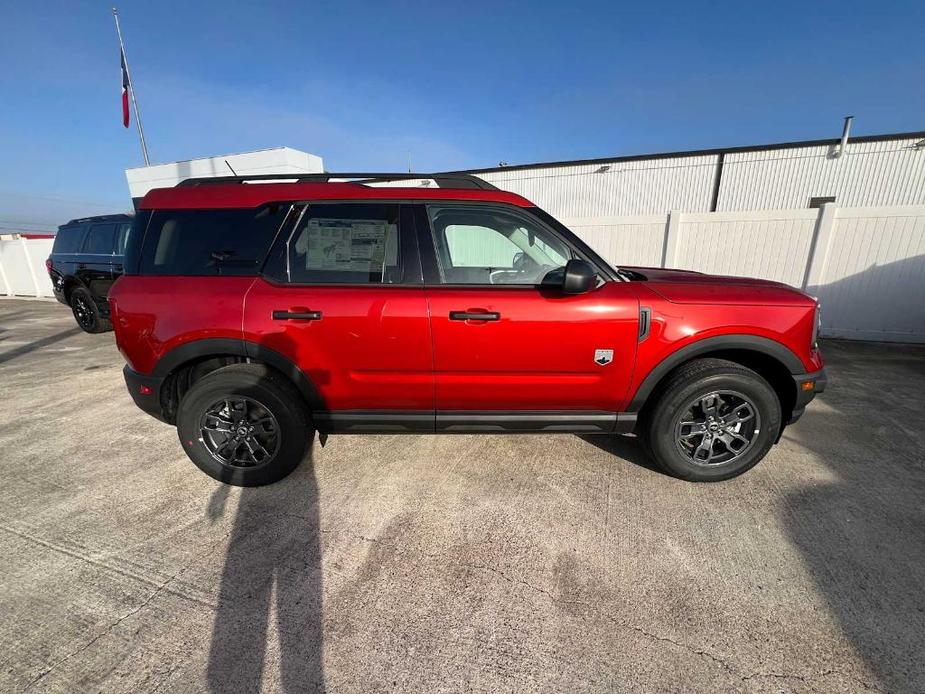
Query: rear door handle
[296, 315]
[475, 315]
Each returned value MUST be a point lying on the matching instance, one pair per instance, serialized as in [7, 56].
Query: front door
[510, 354]
[342, 297]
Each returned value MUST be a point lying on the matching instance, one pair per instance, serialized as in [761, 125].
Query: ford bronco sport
[253, 311]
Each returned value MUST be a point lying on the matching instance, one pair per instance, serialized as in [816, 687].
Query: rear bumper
[807, 387]
[145, 391]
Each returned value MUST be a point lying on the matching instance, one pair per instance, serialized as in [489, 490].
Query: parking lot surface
[453, 563]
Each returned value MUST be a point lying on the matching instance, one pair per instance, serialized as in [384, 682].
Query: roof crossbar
[443, 180]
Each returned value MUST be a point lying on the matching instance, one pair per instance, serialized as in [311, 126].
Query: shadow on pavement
[38, 344]
[627, 447]
[272, 572]
[862, 535]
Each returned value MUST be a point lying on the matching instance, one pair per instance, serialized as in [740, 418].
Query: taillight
[48, 265]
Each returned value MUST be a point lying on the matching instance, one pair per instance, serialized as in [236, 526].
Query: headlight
[817, 325]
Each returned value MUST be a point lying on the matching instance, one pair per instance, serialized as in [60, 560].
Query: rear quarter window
[209, 242]
[100, 240]
[69, 239]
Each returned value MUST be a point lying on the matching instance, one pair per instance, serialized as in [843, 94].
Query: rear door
[509, 353]
[342, 296]
[94, 264]
[118, 255]
[65, 255]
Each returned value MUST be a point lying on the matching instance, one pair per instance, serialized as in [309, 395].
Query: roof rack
[98, 218]
[443, 180]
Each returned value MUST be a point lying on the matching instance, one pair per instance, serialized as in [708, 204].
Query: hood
[689, 287]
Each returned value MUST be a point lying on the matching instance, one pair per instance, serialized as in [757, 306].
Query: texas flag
[125, 86]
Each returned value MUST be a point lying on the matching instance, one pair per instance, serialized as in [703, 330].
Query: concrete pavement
[456, 563]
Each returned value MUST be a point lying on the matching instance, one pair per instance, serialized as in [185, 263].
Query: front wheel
[714, 419]
[244, 425]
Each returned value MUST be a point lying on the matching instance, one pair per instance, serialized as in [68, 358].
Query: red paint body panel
[540, 354]
[371, 350]
[676, 325]
[154, 315]
[394, 347]
[687, 287]
[256, 194]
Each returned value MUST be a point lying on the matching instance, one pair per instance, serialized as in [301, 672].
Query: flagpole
[131, 86]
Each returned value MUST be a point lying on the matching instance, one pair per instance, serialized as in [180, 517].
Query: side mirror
[579, 277]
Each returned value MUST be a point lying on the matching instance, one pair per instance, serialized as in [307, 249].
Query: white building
[877, 170]
[278, 160]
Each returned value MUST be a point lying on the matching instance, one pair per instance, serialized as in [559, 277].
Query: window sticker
[353, 245]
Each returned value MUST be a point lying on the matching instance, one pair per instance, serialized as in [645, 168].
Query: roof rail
[443, 180]
[97, 218]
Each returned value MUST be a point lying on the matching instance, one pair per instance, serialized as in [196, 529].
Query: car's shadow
[272, 571]
[623, 446]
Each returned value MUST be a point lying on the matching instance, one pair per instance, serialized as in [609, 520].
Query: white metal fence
[866, 264]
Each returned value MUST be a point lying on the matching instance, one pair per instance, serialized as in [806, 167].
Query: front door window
[488, 246]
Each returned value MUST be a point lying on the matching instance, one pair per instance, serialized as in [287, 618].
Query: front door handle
[296, 315]
[475, 315]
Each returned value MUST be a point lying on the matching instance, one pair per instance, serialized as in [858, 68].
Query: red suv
[253, 311]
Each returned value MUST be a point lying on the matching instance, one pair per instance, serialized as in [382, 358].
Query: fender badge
[603, 356]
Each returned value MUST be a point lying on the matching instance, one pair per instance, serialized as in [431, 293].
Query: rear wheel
[244, 424]
[86, 312]
[714, 419]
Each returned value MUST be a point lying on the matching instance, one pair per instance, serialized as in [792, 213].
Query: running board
[470, 421]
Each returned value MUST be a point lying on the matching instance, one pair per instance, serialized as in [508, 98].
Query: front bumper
[145, 391]
[807, 387]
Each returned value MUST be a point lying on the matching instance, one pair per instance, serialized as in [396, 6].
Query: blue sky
[460, 85]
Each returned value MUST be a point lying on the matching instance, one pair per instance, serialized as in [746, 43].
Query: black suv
[84, 262]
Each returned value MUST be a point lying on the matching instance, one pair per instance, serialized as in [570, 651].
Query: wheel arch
[184, 364]
[775, 362]
[70, 284]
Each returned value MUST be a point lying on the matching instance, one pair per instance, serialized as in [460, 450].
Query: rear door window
[346, 244]
[122, 238]
[210, 242]
[100, 240]
[68, 239]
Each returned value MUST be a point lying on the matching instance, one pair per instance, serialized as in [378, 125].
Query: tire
[87, 313]
[689, 396]
[254, 396]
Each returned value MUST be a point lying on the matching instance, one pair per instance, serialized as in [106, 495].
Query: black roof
[699, 152]
[100, 218]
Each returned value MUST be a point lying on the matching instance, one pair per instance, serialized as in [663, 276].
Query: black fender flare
[71, 283]
[750, 343]
[218, 346]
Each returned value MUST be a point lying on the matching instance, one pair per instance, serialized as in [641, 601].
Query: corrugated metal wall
[884, 172]
[871, 173]
[625, 188]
